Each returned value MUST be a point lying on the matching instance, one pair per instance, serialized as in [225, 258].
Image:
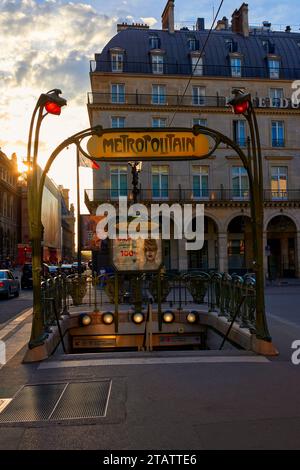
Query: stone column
[265, 243]
[223, 254]
[297, 254]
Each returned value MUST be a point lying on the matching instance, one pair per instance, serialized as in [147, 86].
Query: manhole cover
[49, 402]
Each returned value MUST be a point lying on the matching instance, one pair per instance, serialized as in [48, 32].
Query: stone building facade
[164, 78]
[68, 226]
[9, 204]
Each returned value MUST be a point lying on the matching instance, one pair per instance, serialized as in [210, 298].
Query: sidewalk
[172, 400]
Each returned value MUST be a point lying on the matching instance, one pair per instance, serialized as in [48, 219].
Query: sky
[46, 44]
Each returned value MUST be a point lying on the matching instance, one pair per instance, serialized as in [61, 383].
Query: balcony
[209, 70]
[138, 99]
[94, 197]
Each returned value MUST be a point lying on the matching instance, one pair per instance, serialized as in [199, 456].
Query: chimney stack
[167, 17]
[200, 24]
[239, 21]
[222, 24]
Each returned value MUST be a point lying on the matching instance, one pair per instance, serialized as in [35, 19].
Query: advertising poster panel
[136, 255]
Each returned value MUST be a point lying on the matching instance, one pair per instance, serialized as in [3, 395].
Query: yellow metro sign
[125, 144]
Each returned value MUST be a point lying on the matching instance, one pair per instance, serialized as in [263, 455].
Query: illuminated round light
[53, 108]
[241, 108]
[85, 320]
[137, 318]
[192, 317]
[108, 318]
[168, 317]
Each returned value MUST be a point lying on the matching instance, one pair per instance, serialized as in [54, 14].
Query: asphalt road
[283, 315]
[12, 307]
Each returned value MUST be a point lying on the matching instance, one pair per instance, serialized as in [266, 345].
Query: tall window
[239, 132]
[198, 97]
[118, 180]
[159, 94]
[200, 122]
[117, 121]
[277, 134]
[159, 122]
[5, 205]
[236, 66]
[117, 62]
[157, 63]
[279, 182]
[117, 93]
[197, 65]
[276, 95]
[274, 68]
[200, 181]
[160, 181]
[240, 183]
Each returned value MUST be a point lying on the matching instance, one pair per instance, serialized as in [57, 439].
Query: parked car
[26, 278]
[9, 284]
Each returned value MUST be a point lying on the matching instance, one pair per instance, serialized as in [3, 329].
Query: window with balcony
[236, 66]
[200, 181]
[160, 181]
[239, 132]
[117, 59]
[159, 122]
[279, 176]
[118, 93]
[276, 95]
[117, 121]
[118, 180]
[154, 42]
[198, 96]
[277, 134]
[197, 65]
[159, 94]
[274, 68]
[200, 122]
[157, 63]
[239, 182]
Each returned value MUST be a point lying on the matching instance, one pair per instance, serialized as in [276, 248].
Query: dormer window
[268, 46]
[117, 60]
[157, 63]
[154, 42]
[192, 44]
[197, 65]
[232, 45]
[274, 68]
[236, 66]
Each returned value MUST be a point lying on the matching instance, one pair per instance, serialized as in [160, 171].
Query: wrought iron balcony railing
[93, 196]
[210, 70]
[156, 100]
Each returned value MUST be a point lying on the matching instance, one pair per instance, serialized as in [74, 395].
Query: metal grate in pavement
[49, 402]
[32, 403]
[83, 400]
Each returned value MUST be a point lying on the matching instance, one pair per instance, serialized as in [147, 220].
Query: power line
[200, 57]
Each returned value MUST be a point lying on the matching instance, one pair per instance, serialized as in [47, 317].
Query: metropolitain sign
[147, 144]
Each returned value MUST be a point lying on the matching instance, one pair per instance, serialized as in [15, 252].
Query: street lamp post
[136, 168]
[242, 104]
[48, 103]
